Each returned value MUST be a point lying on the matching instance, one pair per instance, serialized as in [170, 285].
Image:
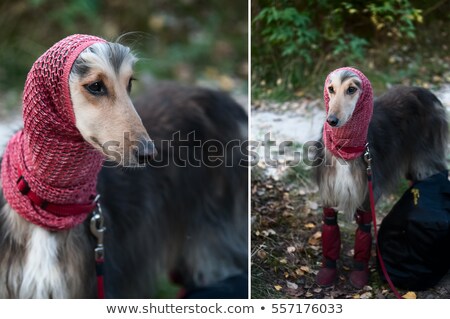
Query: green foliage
[180, 40]
[294, 42]
[67, 16]
[288, 29]
[351, 46]
[289, 34]
[396, 18]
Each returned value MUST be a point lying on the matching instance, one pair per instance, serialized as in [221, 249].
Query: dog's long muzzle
[146, 149]
[332, 120]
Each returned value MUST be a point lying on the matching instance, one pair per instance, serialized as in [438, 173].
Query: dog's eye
[96, 88]
[130, 84]
[331, 90]
[351, 90]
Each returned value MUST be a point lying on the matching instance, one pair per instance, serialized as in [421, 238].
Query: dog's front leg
[331, 248]
[359, 277]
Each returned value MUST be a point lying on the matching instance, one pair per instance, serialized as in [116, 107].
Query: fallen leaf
[315, 239]
[267, 233]
[262, 254]
[317, 235]
[290, 249]
[305, 269]
[310, 225]
[366, 295]
[299, 272]
[294, 293]
[261, 164]
[313, 205]
[283, 261]
[410, 295]
[291, 285]
[277, 287]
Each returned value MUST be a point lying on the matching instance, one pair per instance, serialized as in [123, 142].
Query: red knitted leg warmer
[359, 277]
[331, 247]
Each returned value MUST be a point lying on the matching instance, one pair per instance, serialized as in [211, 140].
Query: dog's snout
[332, 120]
[146, 148]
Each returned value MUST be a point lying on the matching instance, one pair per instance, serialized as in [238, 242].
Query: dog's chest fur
[342, 184]
[36, 263]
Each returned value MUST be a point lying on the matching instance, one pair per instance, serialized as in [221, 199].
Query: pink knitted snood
[49, 153]
[348, 142]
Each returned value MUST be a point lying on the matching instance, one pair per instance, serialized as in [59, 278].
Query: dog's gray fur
[190, 221]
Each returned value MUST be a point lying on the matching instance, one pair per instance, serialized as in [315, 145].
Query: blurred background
[191, 41]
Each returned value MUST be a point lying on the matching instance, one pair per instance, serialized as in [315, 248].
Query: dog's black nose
[332, 120]
[146, 149]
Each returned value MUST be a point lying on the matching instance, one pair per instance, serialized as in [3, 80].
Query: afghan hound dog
[403, 133]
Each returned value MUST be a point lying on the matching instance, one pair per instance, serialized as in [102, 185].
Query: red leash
[98, 229]
[368, 160]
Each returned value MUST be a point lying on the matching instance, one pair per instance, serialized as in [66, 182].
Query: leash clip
[98, 229]
[368, 159]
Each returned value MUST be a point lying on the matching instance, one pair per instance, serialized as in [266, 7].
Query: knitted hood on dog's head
[48, 164]
[348, 142]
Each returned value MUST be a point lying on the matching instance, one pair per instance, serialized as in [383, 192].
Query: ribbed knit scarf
[348, 142]
[50, 153]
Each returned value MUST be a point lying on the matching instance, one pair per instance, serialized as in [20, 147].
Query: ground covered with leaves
[286, 245]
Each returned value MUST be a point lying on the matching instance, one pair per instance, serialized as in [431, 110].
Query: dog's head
[345, 90]
[100, 82]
